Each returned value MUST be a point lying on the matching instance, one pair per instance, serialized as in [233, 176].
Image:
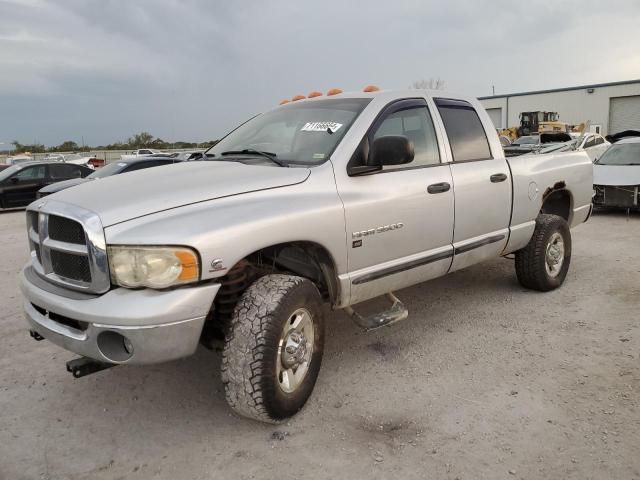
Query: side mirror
[391, 150]
[14, 180]
[386, 150]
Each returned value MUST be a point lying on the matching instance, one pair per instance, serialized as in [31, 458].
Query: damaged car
[616, 176]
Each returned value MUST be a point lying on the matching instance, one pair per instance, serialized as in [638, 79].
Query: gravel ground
[483, 380]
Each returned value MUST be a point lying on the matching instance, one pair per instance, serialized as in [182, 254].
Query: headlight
[153, 267]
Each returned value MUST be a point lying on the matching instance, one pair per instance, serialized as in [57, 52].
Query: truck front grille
[63, 247]
[72, 266]
[65, 230]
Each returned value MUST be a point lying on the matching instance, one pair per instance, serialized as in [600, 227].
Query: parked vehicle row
[22, 183]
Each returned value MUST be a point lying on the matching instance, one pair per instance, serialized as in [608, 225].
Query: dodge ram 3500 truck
[334, 199]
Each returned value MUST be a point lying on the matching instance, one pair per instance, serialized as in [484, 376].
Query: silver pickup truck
[330, 200]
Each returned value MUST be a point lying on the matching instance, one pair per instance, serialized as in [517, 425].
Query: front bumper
[159, 325]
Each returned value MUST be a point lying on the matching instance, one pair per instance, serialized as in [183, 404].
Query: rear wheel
[543, 264]
[274, 347]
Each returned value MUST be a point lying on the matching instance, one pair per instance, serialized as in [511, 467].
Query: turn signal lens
[334, 91]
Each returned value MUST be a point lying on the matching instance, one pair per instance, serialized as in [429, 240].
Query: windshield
[7, 172]
[108, 170]
[528, 140]
[621, 154]
[299, 133]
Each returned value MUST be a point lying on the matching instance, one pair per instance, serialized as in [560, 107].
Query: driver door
[399, 220]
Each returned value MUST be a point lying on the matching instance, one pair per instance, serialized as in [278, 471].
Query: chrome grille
[69, 265]
[65, 230]
[68, 247]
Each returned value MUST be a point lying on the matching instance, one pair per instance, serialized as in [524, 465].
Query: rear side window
[64, 171]
[465, 131]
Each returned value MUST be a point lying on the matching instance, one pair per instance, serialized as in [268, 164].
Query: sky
[102, 70]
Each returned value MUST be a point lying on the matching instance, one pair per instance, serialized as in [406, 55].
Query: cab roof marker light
[298, 97]
[286, 100]
[314, 94]
[334, 91]
[370, 88]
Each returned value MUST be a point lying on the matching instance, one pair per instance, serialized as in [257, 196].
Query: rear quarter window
[467, 136]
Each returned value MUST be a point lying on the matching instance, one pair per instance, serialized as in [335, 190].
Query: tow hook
[83, 366]
[35, 335]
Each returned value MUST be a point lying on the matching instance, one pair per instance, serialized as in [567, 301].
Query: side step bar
[396, 312]
[83, 366]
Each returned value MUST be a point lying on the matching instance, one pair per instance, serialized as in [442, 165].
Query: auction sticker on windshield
[320, 127]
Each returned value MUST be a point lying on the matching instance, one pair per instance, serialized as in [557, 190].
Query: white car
[616, 176]
[16, 159]
[593, 144]
[142, 152]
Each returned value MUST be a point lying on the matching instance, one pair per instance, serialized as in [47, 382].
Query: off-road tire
[531, 260]
[251, 348]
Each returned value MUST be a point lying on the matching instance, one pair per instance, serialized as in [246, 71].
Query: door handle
[438, 187]
[498, 177]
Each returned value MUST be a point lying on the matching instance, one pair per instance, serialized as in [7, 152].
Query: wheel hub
[295, 350]
[554, 254]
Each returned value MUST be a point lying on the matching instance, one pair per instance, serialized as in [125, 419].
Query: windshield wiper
[248, 151]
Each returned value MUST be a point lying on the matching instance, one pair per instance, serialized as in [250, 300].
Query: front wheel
[272, 353]
[543, 264]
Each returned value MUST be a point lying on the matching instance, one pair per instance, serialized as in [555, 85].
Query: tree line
[139, 140]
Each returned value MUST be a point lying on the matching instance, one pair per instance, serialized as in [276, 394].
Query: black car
[115, 168]
[20, 183]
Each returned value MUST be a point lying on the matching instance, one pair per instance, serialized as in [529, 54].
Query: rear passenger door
[481, 184]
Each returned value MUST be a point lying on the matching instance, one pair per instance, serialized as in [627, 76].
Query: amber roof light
[334, 91]
[314, 94]
[370, 88]
[298, 97]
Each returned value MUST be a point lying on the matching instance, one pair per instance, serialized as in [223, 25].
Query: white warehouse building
[610, 107]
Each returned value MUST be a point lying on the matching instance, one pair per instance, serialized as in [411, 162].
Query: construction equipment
[530, 121]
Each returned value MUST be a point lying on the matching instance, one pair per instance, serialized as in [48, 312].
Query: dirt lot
[484, 380]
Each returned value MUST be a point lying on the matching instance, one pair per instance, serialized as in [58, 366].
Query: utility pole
[493, 89]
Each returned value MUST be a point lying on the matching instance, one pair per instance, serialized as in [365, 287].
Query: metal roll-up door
[496, 116]
[624, 114]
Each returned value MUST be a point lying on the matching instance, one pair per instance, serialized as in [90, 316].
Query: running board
[396, 312]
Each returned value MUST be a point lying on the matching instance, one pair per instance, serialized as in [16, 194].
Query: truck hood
[123, 197]
[616, 175]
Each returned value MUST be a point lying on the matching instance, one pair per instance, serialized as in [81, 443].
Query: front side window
[466, 134]
[30, 174]
[591, 142]
[416, 125]
[305, 132]
[599, 140]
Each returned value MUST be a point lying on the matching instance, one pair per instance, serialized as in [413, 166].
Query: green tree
[140, 140]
